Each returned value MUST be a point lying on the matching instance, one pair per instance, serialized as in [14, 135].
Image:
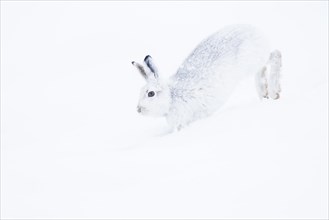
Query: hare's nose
[139, 109]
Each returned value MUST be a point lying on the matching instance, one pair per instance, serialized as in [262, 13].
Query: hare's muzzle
[139, 109]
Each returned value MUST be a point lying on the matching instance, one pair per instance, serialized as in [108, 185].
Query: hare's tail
[268, 78]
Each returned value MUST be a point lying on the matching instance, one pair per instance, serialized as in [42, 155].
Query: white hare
[209, 75]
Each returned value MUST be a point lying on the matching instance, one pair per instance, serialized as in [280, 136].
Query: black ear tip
[147, 57]
[133, 62]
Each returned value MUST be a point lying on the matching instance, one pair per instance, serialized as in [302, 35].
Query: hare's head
[155, 96]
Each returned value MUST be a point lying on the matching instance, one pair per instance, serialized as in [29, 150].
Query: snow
[74, 146]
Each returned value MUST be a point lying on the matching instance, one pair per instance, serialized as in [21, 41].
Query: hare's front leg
[175, 121]
[261, 83]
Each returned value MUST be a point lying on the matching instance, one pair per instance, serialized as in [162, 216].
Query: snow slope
[73, 145]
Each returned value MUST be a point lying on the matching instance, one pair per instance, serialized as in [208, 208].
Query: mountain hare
[209, 75]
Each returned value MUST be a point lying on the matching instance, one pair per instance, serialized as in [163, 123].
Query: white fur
[209, 75]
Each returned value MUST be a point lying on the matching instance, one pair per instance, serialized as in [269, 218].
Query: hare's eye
[150, 94]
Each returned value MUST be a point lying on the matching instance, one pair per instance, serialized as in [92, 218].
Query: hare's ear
[148, 60]
[140, 69]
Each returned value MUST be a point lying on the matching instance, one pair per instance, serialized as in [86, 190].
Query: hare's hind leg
[261, 83]
[274, 65]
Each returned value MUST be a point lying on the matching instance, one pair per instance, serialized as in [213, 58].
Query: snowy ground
[73, 145]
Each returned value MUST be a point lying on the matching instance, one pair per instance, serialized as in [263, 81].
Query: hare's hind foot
[268, 78]
[274, 65]
[261, 83]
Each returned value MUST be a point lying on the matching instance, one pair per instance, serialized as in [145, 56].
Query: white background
[73, 145]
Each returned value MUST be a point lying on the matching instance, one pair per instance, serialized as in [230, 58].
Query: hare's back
[224, 50]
